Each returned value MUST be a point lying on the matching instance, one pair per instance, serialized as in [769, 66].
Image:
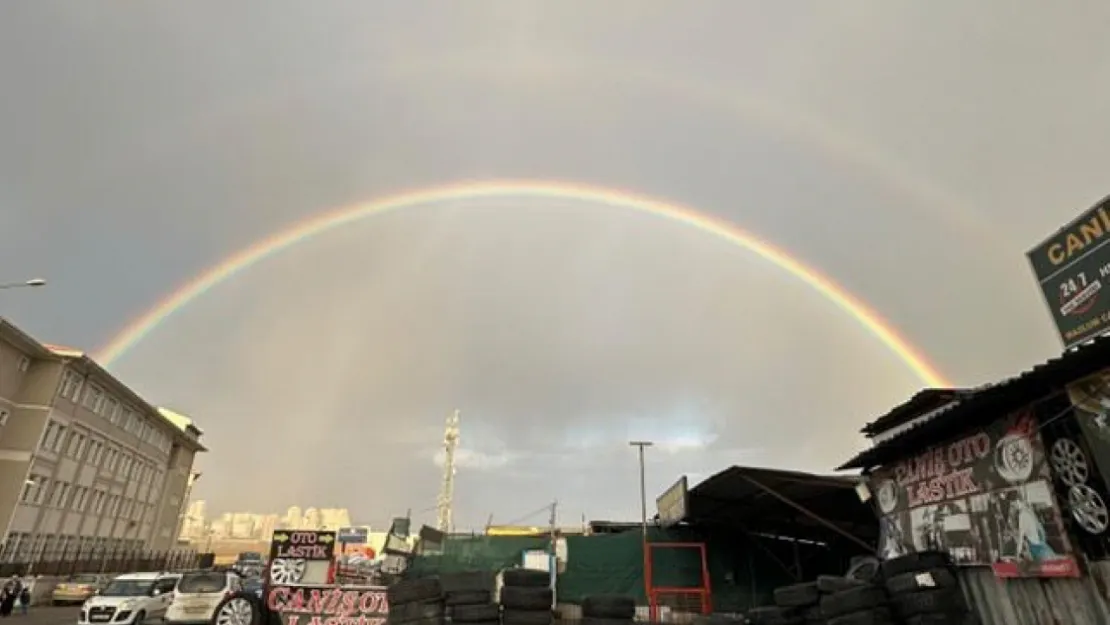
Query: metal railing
[103, 561]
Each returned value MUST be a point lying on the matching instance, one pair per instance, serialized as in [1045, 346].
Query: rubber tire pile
[608, 610]
[468, 598]
[526, 597]
[416, 602]
[924, 590]
[917, 589]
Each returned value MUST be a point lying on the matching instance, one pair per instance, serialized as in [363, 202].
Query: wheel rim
[1088, 509]
[237, 611]
[1069, 462]
[284, 571]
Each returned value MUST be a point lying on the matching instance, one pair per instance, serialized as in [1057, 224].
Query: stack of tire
[416, 602]
[608, 610]
[796, 604]
[526, 597]
[924, 590]
[468, 597]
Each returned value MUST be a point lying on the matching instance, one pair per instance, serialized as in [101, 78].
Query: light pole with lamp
[641, 445]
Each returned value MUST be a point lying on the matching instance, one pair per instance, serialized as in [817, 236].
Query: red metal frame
[653, 592]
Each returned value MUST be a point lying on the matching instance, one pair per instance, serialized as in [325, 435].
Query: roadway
[44, 615]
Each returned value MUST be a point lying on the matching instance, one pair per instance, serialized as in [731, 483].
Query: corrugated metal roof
[989, 402]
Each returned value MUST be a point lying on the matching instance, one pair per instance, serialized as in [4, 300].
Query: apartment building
[85, 463]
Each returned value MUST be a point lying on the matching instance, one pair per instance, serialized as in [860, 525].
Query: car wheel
[240, 608]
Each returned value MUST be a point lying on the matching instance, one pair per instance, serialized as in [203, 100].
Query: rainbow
[320, 224]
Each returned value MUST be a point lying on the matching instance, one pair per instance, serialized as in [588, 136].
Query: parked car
[198, 594]
[78, 588]
[130, 599]
[255, 585]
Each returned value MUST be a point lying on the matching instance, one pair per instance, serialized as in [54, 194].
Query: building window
[98, 502]
[60, 442]
[113, 458]
[71, 385]
[4, 414]
[33, 488]
[60, 495]
[123, 415]
[81, 499]
[111, 407]
[24, 364]
[94, 398]
[50, 436]
[76, 445]
[96, 452]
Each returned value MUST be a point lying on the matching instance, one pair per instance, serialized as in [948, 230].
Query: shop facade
[1010, 479]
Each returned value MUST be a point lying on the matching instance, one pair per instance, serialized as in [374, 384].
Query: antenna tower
[444, 522]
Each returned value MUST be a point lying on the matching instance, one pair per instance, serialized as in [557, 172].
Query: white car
[130, 599]
[198, 594]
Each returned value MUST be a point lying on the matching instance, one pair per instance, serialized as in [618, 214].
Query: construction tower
[444, 522]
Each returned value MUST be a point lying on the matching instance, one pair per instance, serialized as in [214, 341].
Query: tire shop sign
[986, 498]
[328, 605]
[301, 557]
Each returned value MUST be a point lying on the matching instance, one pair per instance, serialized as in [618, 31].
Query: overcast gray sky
[912, 151]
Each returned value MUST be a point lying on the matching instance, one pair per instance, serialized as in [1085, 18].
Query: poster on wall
[1091, 398]
[985, 498]
[301, 557]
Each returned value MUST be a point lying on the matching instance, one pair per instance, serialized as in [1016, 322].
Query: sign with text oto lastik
[985, 498]
[301, 557]
[1073, 270]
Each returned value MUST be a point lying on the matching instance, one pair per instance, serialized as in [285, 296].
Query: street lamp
[33, 282]
[640, 445]
[643, 484]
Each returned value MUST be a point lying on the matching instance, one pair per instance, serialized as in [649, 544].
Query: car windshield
[128, 588]
[84, 579]
[195, 583]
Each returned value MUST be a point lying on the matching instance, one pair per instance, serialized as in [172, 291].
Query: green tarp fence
[743, 571]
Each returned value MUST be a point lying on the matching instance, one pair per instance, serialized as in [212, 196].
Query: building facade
[86, 465]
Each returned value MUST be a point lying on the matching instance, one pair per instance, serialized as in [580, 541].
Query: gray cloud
[913, 154]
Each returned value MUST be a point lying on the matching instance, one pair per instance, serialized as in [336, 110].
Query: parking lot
[46, 615]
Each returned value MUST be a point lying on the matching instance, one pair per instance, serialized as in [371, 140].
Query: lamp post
[32, 283]
[641, 445]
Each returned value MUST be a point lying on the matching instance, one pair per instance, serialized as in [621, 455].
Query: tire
[874, 616]
[524, 598]
[828, 584]
[797, 595]
[852, 600]
[865, 569]
[431, 620]
[241, 608]
[939, 618]
[475, 613]
[942, 600]
[469, 597]
[774, 615]
[526, 617]
[416, 611]
[594, 620]
[907, 582]
[466, 581]
[525, 578]
[414, 590]
[915, 563]
[609, 607]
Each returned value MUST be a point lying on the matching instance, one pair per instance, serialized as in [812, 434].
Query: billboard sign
[301, 557]
[986, 499]
[672, 504]
[353, 535]
[1073, 270]
[315, 604]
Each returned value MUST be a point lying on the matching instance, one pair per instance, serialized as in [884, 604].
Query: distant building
[85, 462]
